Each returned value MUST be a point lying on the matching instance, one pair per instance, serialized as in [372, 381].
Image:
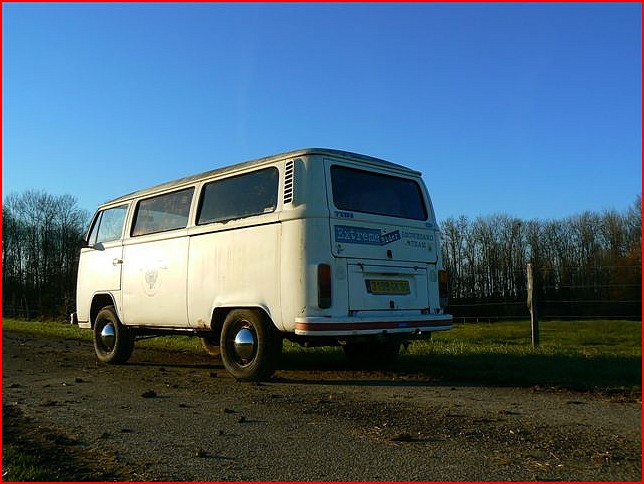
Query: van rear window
[241, 196]
[368, 192]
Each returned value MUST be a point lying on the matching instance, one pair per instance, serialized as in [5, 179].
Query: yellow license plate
[377, 286]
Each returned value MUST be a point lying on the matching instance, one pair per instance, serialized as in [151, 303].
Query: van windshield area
[375, 193]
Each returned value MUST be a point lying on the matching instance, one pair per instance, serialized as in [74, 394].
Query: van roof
[347, 155]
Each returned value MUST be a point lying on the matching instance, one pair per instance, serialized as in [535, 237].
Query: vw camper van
[317, 246]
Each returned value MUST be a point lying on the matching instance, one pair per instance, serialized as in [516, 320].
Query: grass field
[594, 355]
[21, 466]
[578, 355]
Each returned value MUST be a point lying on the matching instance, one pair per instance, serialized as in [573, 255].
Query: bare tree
[42, 236]
[591, 258]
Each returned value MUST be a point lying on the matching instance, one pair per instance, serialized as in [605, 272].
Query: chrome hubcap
[244, 344]
[108, 336]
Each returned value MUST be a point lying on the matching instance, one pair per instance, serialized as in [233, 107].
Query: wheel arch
[99, 301]
[220, 313]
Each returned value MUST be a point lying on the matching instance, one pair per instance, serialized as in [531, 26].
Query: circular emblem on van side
[151, 278]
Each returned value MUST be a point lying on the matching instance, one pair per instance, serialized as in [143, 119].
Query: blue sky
[534, 110]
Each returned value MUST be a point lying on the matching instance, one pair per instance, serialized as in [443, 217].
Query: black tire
[372, 355]
[113, 342]
[250, 345]
[211, 345]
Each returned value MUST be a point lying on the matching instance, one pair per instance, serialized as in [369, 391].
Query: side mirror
[96, 246]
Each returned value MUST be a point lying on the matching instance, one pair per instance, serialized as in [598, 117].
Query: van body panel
[155, 271]
[233, 268]
[101, 265]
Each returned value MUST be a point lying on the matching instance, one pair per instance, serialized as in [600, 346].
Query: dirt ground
[181, 417]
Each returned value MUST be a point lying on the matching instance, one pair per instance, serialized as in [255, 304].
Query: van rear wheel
[113, 342]
[250, 345]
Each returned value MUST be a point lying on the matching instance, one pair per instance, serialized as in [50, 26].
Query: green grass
[594, 355]
[578, 355]
[19, 466]
[570, 338]
[49, 329]
[69, 331]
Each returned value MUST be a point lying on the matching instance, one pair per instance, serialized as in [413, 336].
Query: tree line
[586, 265]
[42, 235]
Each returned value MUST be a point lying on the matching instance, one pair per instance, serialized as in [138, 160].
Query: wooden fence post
[532, 305]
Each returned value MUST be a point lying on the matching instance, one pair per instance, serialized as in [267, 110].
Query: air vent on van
[288, 182]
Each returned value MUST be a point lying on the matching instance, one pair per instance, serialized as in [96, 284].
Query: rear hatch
[383, 225]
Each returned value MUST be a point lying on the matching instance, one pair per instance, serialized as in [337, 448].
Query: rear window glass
[239, 196]
[163, 213]
[368, 192]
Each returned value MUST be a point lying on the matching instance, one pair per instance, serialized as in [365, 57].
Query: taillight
[443, 288]
[324, 286]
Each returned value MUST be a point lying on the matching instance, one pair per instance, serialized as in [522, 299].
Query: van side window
[108, 225]
[239, 196]
[368, 192]
[162, 213]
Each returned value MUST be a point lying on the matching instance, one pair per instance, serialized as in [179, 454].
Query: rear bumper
[359, 326]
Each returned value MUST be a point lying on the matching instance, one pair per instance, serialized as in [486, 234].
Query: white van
[319, 246]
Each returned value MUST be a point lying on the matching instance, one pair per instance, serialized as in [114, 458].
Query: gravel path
[180, 417]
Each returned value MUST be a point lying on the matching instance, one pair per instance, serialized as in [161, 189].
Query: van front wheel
[113, 342]
[250, 345]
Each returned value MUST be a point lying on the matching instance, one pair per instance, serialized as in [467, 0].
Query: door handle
[116, 262]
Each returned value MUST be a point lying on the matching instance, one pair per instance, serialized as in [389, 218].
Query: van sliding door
[155, 261]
